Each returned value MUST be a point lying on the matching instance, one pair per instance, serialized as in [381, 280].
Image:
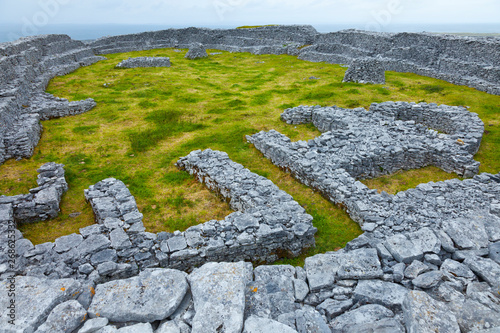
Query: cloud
[200, 12]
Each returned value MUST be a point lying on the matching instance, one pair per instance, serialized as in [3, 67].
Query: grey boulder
[93, 325]
[362, 315]
[219, 296]
[196, 51]
[265, 325]
[137, 328]
[423, 314]
[65, 317]
[31, 309]
[152, 295]
[388, 294]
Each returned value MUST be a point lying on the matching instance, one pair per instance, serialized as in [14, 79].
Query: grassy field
[147, 118]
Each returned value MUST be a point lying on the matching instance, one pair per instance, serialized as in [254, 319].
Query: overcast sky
[367, 14]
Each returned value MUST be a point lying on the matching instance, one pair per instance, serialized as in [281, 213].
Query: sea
[90, 32]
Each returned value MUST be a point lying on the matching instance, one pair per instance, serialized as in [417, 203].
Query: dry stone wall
[268, 224]
[470, 61]
[144, 62]
[429, 259]
[27, 66]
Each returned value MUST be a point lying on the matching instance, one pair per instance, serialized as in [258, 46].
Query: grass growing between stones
[147, 118]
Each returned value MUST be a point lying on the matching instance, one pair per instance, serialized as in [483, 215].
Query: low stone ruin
[42, 203]
[267, 225]
[144, 62]
[365, 70]
[196, 51]
[428, 261]
[360, 144]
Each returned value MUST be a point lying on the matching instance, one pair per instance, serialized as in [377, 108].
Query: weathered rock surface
[152, 295]
[265, 325]
[365, 70]
[144, 62]
[34, 300]
[65, 317]
[219, 296]
[423, 314]
[196, 51]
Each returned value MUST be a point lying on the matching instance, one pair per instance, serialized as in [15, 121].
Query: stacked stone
[27, 66]
[42, 203]
[470, 61]
[365, 70]
[144, 62]
[457, 121]
[318, 164]
[352, 290]
[48, 106]
[268, 224]
[196, 51]
[263, 40]
[369, 144]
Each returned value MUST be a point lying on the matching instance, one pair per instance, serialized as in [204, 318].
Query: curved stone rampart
[471, 61]
[27, 66]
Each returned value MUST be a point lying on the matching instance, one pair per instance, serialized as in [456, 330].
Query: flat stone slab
[388, 294]
[65, 317]
[144, 62]
[32, 309]
[219, 296]
[321, 270]
[152, 295]
[265, 325]
[423, 314]
[467, 233]
[359, 264]
[362, 315]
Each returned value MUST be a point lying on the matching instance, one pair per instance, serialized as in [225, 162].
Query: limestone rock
[264, 325]
[32, 309]
[402, 249]
[428, 280]
[65, 317]
[467, 233]
[219, 296]
[321, 270]
[309, 320]
[487, 269]
[365, 70]
[423, 314]
[359, 264]
[93, 325]
[332, 308]
[152, 295]
[362, 315]
[380, 326]
[390, 295]
[137, 328]
[196, 51]
[144, 62]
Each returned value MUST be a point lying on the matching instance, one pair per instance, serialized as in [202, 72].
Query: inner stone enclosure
[436, 244]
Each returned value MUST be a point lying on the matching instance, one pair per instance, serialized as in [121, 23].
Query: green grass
[147, 118]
